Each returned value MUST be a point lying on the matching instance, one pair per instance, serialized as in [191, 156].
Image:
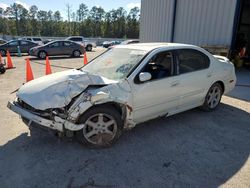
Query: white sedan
[125, 86]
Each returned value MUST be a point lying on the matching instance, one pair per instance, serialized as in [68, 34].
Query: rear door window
[54, 45]
[67, 43]
[190, 60]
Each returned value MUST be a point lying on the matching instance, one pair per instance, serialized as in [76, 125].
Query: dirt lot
[191, 149]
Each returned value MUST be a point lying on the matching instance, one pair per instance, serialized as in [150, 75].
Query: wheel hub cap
[214, 97]
[100, 129]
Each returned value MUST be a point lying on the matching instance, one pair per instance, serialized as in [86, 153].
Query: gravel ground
[191, 149]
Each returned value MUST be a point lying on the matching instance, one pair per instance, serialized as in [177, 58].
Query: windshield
[116, 63]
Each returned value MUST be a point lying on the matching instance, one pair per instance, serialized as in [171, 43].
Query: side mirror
[144, 76]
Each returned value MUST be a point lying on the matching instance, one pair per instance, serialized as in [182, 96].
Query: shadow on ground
[192, 149]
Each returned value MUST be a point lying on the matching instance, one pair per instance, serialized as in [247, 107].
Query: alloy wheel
[77, 53]
[213, 97]
[100, 129]
[42, 55]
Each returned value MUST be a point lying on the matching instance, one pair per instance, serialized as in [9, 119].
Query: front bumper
[58, 124]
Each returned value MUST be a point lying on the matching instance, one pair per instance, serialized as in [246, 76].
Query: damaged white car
[125, 86]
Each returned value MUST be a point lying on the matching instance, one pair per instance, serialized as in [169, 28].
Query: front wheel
[42, 54]
[213, 97]
[76, 53]
[89, 48]
[103, 127]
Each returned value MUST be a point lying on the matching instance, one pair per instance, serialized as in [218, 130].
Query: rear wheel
[3, 52]
[42, 54]
[103, 127]
[89, 48]
[76, 53]
[2, 69]
[213, 97]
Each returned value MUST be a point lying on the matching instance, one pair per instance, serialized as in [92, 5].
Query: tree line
[94, 22]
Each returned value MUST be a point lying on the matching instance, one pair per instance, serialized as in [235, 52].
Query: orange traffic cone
[9, 61]
[85, 59]
[29, 73]
[48, 68]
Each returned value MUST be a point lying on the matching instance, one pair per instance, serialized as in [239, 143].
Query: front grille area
[26, 106]
[45, 114]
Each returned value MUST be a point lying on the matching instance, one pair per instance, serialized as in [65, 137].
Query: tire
[3, 52]
[89, 48]
[42, 54]
[213, 97]
[103, 127]
[76, 53]
[2, 69]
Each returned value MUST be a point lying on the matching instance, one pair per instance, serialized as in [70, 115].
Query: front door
[24, 46]
[12, 46]
[159, 95]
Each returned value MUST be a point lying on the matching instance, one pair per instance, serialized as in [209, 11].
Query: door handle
[173, 84]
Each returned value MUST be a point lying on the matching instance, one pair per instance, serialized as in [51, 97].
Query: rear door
[55, 48]
[67, 48]
[195, 77]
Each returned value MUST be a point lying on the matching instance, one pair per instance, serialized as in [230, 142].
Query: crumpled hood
[58, 89]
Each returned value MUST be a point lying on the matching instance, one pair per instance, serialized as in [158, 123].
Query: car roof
[53, 41]
[62, 41]
[152, 46]
[75, 37]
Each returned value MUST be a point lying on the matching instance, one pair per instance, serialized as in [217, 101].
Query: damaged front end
[57, 101]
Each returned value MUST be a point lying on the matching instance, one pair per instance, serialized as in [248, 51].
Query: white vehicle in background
[88, 44]
[124, 86]
[37, 40]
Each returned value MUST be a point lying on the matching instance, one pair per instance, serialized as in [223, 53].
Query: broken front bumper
[58, 124]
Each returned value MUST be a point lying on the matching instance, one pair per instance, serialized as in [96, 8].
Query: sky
[61, 4]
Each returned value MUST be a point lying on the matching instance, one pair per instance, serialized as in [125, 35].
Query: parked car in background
[87, 44]
[37, 40]
[117, 90]
[2, 41]
[58, 47]
[107, 44]
[133, 41]
[116, 42]
[45, 41]
[12, 46]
